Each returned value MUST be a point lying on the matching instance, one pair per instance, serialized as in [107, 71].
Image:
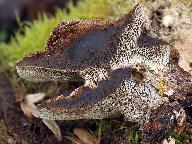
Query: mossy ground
[32, 37]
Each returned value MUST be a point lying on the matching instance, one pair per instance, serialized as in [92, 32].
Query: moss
[119, 7]
[181, 138]
[102, 127]
[134, 137]
[33, 37]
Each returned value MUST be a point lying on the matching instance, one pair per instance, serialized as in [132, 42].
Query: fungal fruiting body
[122, 64]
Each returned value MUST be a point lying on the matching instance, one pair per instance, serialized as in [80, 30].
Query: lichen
[161, 87]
